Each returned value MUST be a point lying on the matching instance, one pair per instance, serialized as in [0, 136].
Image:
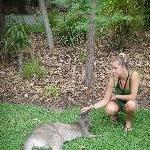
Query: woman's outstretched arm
[106, 98]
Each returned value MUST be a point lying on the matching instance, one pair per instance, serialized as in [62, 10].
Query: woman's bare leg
[130, 108]
[112, 109]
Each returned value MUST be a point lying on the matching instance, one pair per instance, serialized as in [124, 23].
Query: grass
[18, 121]
[37, 28]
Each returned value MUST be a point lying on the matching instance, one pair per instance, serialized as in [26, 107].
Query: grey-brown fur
[53, 135]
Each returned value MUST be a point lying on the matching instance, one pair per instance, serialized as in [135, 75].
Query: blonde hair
[123, 60]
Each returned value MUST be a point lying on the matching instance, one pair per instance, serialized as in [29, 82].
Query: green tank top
[122, 91]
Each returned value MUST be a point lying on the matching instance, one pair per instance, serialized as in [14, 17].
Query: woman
[121, 92]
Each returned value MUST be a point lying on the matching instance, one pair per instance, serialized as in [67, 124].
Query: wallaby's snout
[84, 119]
[85, 115]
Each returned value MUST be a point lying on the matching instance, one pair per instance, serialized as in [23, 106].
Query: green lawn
[17, 122]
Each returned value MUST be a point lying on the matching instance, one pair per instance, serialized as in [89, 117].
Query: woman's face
[117, 69]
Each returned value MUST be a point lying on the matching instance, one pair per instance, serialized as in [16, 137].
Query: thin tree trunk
[2, 23]
[89, 66]
[46, 23]
[21, 6]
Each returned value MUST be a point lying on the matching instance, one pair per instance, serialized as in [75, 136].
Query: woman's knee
[130, 106]
[111, 108]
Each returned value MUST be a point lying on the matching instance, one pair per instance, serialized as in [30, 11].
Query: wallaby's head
[84, 119]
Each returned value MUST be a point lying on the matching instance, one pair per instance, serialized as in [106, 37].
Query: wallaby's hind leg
[28, 145]
[57, 148]
[35, 142]
[56, 142]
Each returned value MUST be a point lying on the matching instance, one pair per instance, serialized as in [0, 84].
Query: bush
[52, 90]
[37, 28]
[82, 57]
[120, 19]
[16, 38]
[33, 69]
[71, 27]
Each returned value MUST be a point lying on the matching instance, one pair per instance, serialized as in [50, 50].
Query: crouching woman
[121, 92]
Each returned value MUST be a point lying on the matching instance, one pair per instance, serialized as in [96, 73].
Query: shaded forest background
[83, 32]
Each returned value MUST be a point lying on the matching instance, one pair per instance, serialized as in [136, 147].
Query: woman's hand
[113, 97]
[86, 108]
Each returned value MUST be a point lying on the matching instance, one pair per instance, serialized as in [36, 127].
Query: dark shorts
[121, 104]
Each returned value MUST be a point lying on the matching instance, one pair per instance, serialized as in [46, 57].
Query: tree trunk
[89, 66]
[46, 23]
[21, 6]
[2, 23]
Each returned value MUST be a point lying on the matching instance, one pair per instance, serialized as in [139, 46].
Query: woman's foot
[128, 127]
[114, 118]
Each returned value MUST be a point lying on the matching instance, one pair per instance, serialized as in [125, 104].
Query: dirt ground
[66, 70]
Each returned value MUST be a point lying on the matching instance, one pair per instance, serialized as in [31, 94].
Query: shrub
[34, 69]
[82, 57]
[120, 19]
[16, 38]
[52, 90]
[37, 28]
[71, 27]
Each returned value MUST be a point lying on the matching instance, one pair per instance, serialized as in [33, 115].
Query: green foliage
[69, 19]
[16, 38]
[82, 57]
[18, 121]
[52, 90]
[120, 18]
[112, 16]
[39, 28]
[34, 69]
[62, 3]
[118, 11]
[71, 27]
[52, 15]
[145, 11]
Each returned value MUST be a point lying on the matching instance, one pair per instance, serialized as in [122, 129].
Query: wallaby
[53, 135]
